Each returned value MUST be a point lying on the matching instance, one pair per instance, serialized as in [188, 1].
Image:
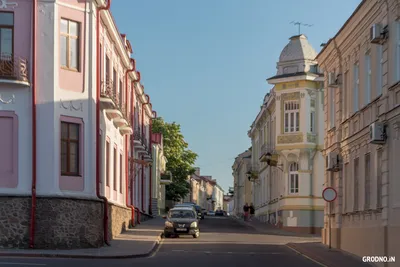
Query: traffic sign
[329, 194]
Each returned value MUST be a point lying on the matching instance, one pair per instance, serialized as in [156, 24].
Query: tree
[180, 159]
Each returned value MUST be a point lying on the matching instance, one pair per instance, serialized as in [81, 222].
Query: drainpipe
[33, 78]
[98, 76]
[126, 143]
[143, 104]
[133, 174]
[151, 153]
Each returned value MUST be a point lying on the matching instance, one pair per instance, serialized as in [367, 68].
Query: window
[69, 44]
[356, 83]
[6, 43]
[70, 135]
[292, 116]
[355, 204]
[347, 191]
[367, 92]
[312, 122]
[367, 192]
[120, 173]
[115, 158]
[379, 179]
[107, 163]
[115, 82]
[397, 53]
[379, 70]
[294, 178]
[9, 149]
[108, 78]
[345, 95]
[121, 90]
[332, 103]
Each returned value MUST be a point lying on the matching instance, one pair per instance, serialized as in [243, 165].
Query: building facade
[288, 134]
[362, 119]
[68, 123]
[242, 187]
[218, 197]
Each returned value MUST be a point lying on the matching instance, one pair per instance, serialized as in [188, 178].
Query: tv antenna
[299, 24]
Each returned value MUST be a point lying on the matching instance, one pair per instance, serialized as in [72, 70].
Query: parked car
[210, 213]
[219, 213]
[181, 221]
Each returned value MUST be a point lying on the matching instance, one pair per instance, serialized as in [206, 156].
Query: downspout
[98, 87]
[143, 111]
[151, 167]
[126, 144]
[133, 171]
[33, 77]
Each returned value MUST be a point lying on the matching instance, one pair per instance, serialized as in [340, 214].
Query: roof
[287, 75]
[342, 28]
[297, 49]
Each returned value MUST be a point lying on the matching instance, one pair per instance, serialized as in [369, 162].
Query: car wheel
[196, 235]
[167, 235]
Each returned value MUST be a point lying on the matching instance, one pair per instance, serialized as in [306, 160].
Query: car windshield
[186, 214]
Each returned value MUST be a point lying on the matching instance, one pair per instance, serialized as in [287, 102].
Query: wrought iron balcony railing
[14, 68]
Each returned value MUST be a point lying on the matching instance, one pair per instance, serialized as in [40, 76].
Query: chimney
[197, 171]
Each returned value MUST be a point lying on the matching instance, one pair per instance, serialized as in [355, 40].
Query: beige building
[241, 185]
[289, 131]
[362, 122]
[202, 188]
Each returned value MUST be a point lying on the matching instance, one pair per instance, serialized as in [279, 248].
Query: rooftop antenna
[299, 24]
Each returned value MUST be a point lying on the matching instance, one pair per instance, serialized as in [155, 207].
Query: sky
[205, 63]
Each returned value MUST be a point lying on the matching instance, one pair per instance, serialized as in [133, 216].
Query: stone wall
[119, 219]
[60, 223]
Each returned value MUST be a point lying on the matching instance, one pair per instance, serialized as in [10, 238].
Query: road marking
[157, 249]
[229, 252]
[305, 256]
[22, 263]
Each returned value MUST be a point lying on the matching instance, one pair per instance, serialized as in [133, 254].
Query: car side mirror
[164, 217]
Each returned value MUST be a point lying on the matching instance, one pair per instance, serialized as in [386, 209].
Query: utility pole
[299, 24]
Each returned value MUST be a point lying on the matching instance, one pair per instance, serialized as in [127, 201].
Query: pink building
[74, 126]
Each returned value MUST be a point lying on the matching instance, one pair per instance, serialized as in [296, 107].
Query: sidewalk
[310, 246]
[141, 241]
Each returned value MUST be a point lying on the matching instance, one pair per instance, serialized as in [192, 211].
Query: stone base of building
[303, 230]
[60, 223]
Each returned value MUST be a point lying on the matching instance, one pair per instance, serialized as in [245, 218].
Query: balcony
[267, 149]
[111, 103]
[166, 178]
[137, 140]
[253, 171]
[14, 70]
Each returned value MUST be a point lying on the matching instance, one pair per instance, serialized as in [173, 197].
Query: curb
[305, 256]
[150, 253]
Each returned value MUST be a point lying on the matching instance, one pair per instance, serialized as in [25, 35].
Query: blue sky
[204, 63]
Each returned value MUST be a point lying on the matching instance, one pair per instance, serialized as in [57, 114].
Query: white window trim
[294, 174]
[296, 123]
[368, 79]
[356, 87]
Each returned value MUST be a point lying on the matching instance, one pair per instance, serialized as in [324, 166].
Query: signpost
[329, 195]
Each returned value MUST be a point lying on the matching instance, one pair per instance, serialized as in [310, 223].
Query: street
[223, 241]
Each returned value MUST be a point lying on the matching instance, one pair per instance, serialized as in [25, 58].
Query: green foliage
[180, 158]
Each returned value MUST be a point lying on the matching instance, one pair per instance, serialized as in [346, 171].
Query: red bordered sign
[329, 194]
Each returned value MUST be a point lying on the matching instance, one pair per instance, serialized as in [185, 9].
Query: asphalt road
[222, 242]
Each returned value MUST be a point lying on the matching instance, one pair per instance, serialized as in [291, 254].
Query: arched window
[294, 178]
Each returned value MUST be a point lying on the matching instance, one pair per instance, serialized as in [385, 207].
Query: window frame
[295, 174]
[368, 78]
[356, 170]
[4, 26]
[78, 122]
[115, 167]
[367, 181]
[356, 87]
[121, 176]
[107, 152]
[68, 45]
[296, 116]
[379, 74]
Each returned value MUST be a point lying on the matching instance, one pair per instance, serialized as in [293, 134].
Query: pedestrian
[251, 211]
[246, 212]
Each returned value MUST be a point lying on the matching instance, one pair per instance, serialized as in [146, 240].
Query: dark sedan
[181, 221]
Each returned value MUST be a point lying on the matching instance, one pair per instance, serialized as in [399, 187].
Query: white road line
[22, 263]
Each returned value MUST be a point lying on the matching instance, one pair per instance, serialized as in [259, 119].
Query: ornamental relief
[291, 96]
[289, 139]
[311, 138]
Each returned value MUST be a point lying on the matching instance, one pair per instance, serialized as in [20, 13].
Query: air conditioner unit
[332, 79]
[376, 33]
[332, 161]
[377, 133]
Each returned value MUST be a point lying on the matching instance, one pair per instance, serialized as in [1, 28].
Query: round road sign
[329, 194]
